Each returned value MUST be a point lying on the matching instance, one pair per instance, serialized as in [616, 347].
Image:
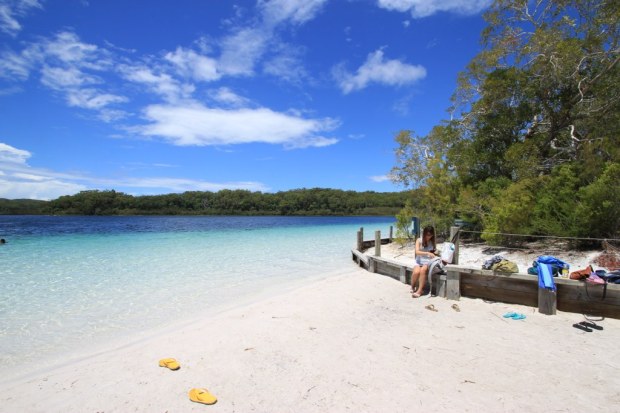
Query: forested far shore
[316, 201]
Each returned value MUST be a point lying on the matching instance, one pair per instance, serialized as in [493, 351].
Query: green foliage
[21, 206]
[403, 221]
[556, 202]
[511, 213]
[598, 210]
[315, 201]
[535, 117]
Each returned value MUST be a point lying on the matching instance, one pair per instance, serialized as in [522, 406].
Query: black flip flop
[582, 327]
[591, 325]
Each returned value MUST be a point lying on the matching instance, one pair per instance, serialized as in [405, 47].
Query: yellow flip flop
[202, 396]
[170, 363]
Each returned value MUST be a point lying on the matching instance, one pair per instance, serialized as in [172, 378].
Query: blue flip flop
[518, 317]
[510, 315]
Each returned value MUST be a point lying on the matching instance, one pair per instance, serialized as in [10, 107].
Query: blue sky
[159, 96]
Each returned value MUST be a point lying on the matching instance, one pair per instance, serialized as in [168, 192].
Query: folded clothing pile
[596, 277]
[500, 264]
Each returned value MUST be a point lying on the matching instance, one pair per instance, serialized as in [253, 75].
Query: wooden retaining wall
[571, 296]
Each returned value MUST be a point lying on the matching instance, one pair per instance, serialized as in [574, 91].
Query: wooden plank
[453, 285]
[441, 284]
[547, 301]
[582, 298]
[571, 296]
[372, 266]
[386, 268]
[496, 282]
[501, 295]
[360, 256]
[403, 275]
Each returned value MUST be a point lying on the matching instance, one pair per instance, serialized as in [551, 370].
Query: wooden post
[403, 274]
[547, 301]
[453, 285]
[454, 234]
[372, 265]
[390, 233]
[377, 243]
[360, 239]
[441, 286]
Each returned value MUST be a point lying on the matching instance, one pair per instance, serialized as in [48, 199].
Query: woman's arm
[420, 253]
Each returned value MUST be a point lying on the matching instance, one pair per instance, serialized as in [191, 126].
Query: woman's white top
[424, 259]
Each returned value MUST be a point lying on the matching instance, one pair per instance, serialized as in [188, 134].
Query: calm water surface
[68, 282]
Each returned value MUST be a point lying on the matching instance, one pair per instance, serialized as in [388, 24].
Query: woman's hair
[425, 231]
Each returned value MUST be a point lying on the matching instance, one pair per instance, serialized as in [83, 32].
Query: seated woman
[424, 254]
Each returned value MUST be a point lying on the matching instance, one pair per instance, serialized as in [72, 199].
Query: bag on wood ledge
[505, 266]
[581, 274]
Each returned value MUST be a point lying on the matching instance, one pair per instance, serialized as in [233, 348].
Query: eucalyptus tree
[541, 94]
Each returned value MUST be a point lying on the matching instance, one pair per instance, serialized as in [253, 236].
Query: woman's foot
[415, 295]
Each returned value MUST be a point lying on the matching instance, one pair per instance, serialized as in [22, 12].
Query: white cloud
[15, 188]
[13, 155]
[68, 48]
[425, 8]
[195, 124]
[241, 51]
[193, 65]
[59, 78]
[20, 180]
[14, 66]
[295, 11]
[287, 66]
[381, 178]
[246, 46]
[92, 99]
[162, 84]
[10, 10]
[227, 97]
[376, 70]
[69, 66]
[182, 185]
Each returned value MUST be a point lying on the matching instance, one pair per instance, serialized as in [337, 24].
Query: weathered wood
[360, 239]
[499, 294]
[402, 276]
[441, 285]
[453, 285]
[571, 296]
[377, 243]
[454, 237]
[584, 298]
[391, 232]
[360, 258]
[547, 301]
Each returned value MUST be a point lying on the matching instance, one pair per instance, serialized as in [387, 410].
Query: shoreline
[351, 341]
[54, 361]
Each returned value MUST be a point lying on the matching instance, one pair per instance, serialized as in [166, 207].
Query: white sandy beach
[356, 342]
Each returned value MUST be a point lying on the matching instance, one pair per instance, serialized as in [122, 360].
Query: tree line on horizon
[532, 144]
[315, 201]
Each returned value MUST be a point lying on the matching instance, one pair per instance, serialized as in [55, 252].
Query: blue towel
[545, 276]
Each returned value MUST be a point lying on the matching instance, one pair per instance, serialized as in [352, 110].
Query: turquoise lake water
[71, 282]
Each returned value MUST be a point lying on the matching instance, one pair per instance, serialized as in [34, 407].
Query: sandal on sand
[591, 325]
[582, 327]
[170, 363]
[415, 295]
[456, 308]
[431, 307]
[202, 396]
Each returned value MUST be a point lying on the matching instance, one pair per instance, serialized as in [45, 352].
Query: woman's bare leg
[414, 279]
[422, 275]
